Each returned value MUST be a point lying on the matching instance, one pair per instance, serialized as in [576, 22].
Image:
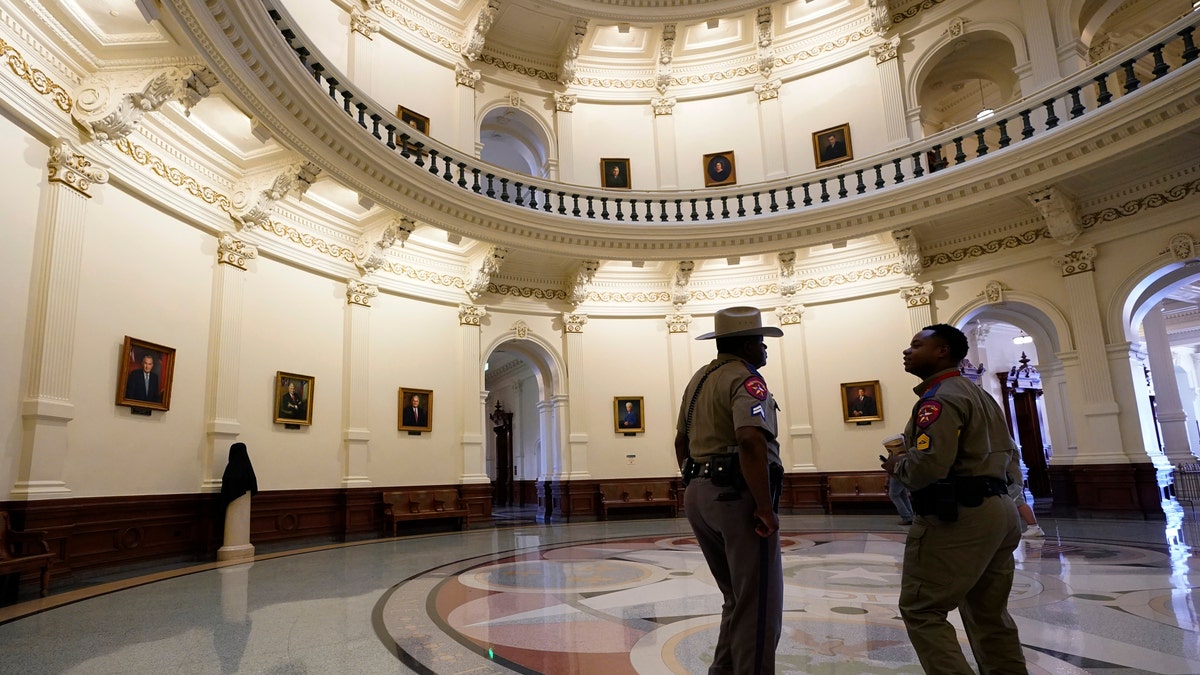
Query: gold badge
[923, 442]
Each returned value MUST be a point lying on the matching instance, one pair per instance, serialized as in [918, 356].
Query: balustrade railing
[1075, 97]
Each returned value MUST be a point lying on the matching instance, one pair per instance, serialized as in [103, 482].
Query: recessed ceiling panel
[610, 41]
[113, 22]
[699, 37]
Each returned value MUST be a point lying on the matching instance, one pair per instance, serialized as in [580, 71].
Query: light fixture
[984, 111]
[1022, 339]
[713, 24]
[623, 28]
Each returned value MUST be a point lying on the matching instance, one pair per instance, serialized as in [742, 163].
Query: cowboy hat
[739, 322]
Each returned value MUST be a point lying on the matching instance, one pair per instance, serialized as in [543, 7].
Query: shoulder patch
[756, 388]
[928, 413]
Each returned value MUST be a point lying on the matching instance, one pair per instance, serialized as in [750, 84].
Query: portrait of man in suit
[144, 376]
[614, 173]
[294, 396]
[832, 146]
[860, 402]
[142, 384]
[416, 410]
[719, 169]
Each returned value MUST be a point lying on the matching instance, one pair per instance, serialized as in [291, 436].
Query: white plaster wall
[415, 345]
[22, 179]
[401, 77]
[328, 26]
[293, 323]
[855, 342]
[717, 125]
[606, 130]
[628, 357]
[146, 275]
[829, 98]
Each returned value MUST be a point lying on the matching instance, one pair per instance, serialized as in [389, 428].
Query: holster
[725, 470]
[937, 499]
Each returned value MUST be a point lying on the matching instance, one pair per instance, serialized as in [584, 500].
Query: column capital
[466, 77]
[917, 296]
[790, 315]
[65, 165]
[886, 50]
[471, 315]
[678, 323]
[234, 252]
[359, 293]
[767, 90]
[362, 23]
[1077, 262]
[573, 322]
[565, 102]
[663, 105]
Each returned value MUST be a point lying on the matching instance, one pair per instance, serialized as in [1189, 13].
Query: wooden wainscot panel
[803, 491]
[1119, 490]
[478, 499]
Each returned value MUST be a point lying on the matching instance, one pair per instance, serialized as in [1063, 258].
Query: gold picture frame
[416, 416]
[861, 402]
[629, 415]
[140, 388]
[293, 400]
[832, 146]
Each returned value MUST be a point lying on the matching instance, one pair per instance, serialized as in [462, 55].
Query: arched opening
[970, 74]
[522, 378]
[513, 139]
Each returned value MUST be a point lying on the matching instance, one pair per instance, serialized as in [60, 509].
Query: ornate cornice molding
[109, 106]
[910, 12]
[67, 166]
[1145, 203]
[790, 315]
[38, 80]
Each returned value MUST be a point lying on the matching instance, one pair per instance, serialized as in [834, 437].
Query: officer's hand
[766, 522]
[889, 465]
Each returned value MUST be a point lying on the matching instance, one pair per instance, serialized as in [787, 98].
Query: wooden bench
[405, 505]
[648, 494]
[856, 487]
[24, 552]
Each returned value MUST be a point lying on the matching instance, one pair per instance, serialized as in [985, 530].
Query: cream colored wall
[145, 276]
[851, 94]
[628, 357]
[328, 26]
[400, 77]
[717, 125]
[292, 322]
[854, 342]
[416, 345]
[22, 180]
[616, 131]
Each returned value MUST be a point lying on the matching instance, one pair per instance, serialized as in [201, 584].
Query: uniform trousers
[968, 565]
[748, 571]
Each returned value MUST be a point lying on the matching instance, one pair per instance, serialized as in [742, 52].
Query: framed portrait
[144, 375]
[413, 119]
[719, 169]
[293, 398]
[832, 146]
[614, 173]
[627, 415]
[416, 410]
[860, 402]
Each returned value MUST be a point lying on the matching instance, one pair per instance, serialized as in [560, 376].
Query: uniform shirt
[733, 396]
[956, 429]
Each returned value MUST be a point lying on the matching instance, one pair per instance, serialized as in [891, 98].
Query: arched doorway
[525, 408]
[514, 139]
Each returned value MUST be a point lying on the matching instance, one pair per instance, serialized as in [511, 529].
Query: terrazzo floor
[631, 596]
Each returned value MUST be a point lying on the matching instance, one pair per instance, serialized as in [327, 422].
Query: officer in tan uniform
[725, 442]
[959, 552]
